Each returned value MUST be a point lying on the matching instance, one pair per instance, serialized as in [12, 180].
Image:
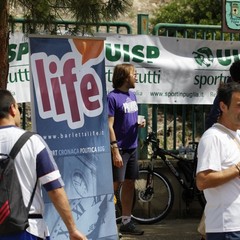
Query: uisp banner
[169, 70]
[18, 74]
[70, 113]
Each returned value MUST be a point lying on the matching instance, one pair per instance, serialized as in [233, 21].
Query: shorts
[223, 236]
[24, 235]
[130, 169]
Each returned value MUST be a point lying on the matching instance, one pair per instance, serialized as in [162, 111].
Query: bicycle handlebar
[151, 137]
[157, 150]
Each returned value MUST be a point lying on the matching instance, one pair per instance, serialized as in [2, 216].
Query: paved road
[169, 229]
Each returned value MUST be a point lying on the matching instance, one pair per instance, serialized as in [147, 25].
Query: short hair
[121, 73]
[6, 100]
[235, 71]
[226, 90]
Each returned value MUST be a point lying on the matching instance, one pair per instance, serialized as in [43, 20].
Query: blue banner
[70, 112]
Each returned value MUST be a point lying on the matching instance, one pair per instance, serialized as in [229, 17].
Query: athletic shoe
[130, 228]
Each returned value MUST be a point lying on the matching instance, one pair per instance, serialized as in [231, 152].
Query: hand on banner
[76, 235]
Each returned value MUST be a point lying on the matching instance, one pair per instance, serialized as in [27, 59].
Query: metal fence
[175, 124]
[179, 124]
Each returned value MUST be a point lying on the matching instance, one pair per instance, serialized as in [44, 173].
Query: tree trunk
[4, 41]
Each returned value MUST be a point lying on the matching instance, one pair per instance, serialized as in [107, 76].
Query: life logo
[68, 86]
[203, 56]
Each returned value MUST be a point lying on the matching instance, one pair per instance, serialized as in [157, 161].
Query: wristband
[114, 146]
[112, 142]
[238, 168]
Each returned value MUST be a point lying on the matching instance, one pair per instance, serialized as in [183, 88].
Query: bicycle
[154, 195]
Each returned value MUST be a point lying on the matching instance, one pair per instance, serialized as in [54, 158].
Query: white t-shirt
[33, 161]
[218, 151]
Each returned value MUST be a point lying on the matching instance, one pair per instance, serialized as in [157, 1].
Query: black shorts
[130, 169]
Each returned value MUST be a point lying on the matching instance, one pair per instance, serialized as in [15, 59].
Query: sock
[126, 219]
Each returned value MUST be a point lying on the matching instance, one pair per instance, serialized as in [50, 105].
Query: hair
[121, 73]
[226, 90]
[6, 99]
[235, 71]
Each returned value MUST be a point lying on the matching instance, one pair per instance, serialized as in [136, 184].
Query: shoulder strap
[15, 150]
[20, 142]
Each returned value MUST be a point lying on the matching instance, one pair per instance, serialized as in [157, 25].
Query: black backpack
[13, 212]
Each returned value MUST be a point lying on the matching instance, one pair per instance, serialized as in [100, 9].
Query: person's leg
[127, 197]
[127, 226]
[223, 236]
[232, 235]
[215, 236]
[118, 178]
[131, 173]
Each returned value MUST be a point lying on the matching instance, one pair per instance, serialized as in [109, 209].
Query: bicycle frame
[157, 151]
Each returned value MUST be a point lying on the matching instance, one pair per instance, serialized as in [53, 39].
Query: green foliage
[79, 10]
[206, 12]
[41, 13]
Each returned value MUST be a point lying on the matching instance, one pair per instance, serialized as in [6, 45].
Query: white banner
[18, 76]
[170, 70]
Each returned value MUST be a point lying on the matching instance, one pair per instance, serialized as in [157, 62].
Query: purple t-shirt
[123, 107]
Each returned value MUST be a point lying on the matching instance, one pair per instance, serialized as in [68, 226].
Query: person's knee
[129, 183]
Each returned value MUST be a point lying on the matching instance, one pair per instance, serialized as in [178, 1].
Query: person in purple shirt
[123, 127]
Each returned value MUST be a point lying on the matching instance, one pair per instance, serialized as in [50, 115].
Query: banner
[170, 70]
[70, 113]
[18, 76]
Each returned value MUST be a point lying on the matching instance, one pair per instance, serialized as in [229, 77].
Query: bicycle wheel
[153, 207]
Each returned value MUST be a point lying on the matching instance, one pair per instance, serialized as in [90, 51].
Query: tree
[189, 12]
[43, 12]
[3, 43]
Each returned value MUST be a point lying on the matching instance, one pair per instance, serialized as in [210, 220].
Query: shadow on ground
[169, 229]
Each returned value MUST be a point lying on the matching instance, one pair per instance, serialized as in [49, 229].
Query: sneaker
[130, 228]
[119, 235]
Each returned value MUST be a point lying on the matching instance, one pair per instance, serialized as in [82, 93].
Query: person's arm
[210, 179]
[116, 156]
[61, 203]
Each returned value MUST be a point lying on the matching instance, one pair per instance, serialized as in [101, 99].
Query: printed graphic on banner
[69, 101]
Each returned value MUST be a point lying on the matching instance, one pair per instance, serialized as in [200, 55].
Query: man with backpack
[34, 165]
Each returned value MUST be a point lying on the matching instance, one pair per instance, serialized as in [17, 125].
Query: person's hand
[117, 161]
[77, 235]
[142, 124]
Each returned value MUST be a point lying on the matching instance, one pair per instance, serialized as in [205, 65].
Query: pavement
[169, 229]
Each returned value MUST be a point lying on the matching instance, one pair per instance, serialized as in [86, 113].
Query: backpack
[13, 212]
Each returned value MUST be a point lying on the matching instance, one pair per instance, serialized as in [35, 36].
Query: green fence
[184, 123]
[65, 27]
[175, 124]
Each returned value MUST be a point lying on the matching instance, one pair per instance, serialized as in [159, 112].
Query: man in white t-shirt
[34, 162]
[218, 167]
